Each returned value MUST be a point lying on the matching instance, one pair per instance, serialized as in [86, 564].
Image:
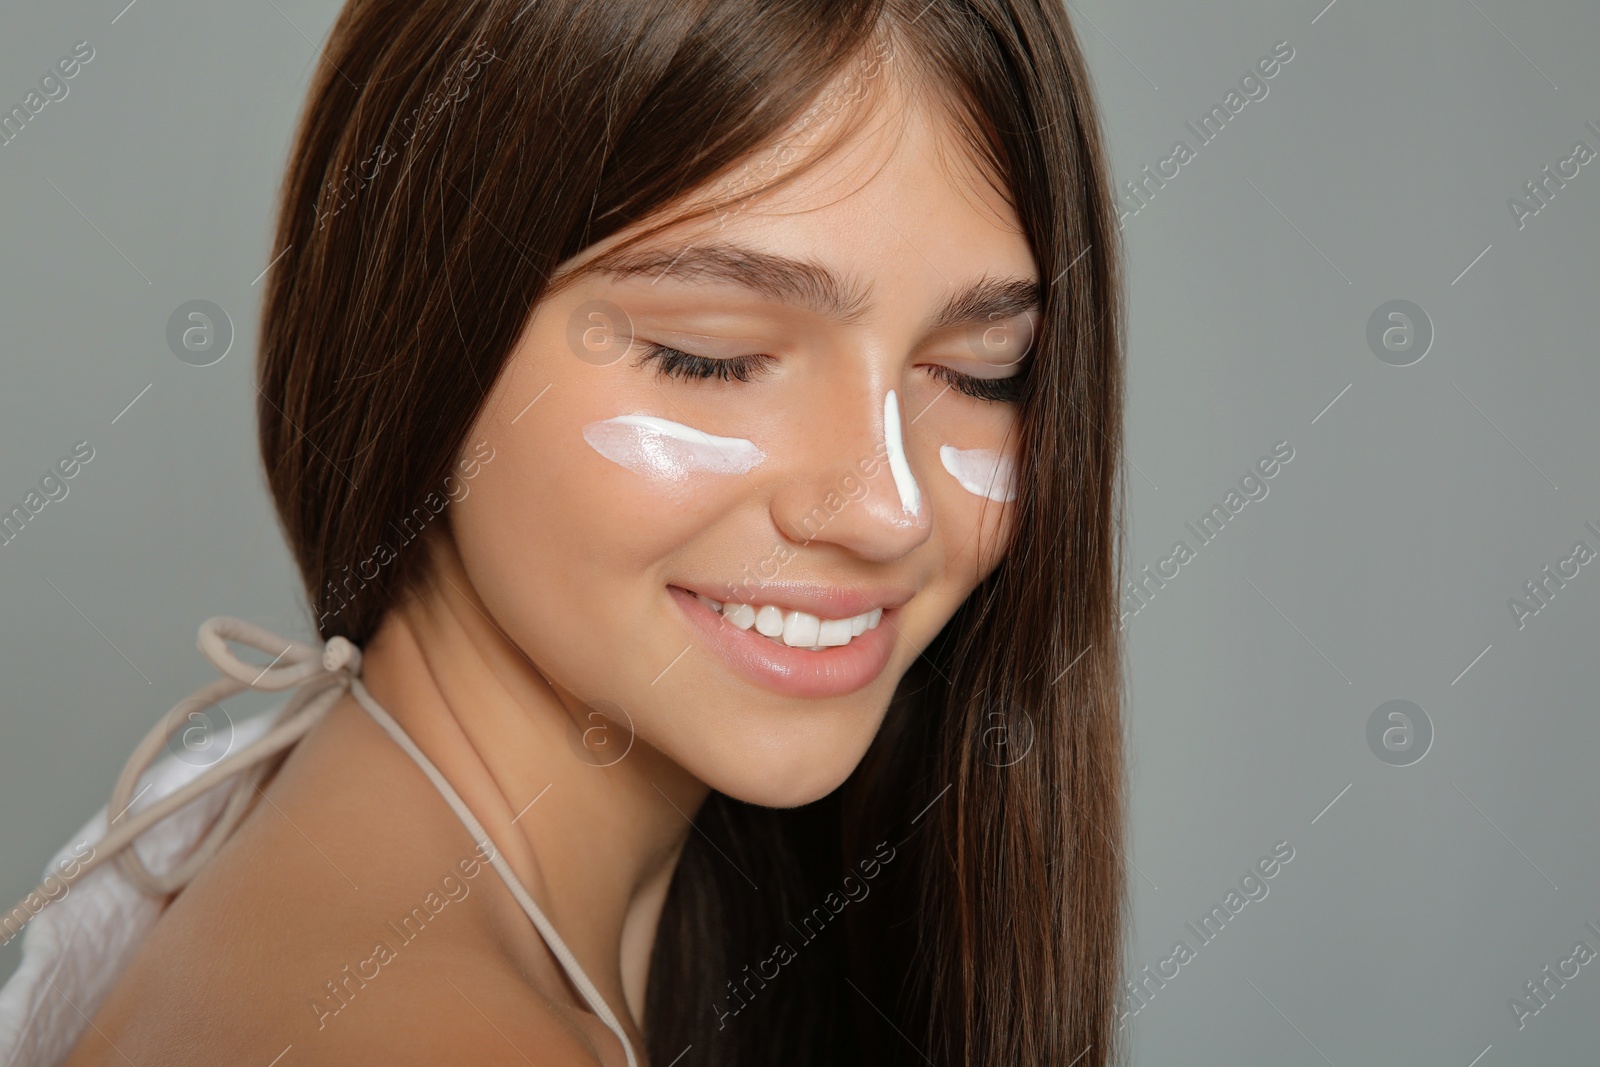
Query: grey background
[1378, 567]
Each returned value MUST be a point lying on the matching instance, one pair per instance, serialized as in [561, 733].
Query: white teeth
[835, 632]
[801, 629]
[797, 629]
[769, 621]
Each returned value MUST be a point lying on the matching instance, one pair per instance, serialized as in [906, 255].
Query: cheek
[571, 533]
[564, 549]
[975, 490]
[552, 511]
[982, 530]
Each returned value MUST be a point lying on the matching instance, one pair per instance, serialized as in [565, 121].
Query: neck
[593, 835]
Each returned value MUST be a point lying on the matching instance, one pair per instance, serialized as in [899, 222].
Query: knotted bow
[322, 675]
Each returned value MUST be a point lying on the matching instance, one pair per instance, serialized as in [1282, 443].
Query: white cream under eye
[910, 494]
[983, 472]
[669, 451]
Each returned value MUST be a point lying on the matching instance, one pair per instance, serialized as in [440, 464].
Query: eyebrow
[812, 286]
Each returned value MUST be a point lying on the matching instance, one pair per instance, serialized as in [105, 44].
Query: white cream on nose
[982, 471]
[669, 451]
[910, 494]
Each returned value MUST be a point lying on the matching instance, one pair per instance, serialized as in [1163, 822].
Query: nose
[851, 483]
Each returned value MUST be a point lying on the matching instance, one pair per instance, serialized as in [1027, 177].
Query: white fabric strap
[557, 946]
[319, 676]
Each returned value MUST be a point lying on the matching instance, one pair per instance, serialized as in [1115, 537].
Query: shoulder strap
[558, 947]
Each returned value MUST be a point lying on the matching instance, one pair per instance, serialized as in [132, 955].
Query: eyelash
[997, 390]
[672, 363]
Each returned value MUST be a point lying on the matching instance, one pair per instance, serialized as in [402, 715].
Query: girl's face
[850, 451]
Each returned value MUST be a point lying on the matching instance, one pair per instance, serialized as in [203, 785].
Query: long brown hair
[452, 153]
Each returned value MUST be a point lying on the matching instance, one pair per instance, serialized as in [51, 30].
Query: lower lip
[798, 672]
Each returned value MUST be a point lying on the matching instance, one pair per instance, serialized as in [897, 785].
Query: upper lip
[814, 598]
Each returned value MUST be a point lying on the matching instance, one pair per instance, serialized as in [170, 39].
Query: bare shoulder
[428, 1009]
[446, 1011]
[346, 921]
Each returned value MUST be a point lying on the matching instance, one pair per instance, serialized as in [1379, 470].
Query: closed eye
[998, 390]
[675, 363]
[672, 363]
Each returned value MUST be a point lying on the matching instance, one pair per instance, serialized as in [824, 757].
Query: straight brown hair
[451, 154]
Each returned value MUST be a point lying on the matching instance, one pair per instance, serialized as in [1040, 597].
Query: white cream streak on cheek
[667, 450]
[981, 471]
[910, 494]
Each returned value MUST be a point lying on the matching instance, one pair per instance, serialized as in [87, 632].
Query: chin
[767, 793]
[781, 773]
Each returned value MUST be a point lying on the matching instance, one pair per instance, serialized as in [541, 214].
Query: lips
[797, 671]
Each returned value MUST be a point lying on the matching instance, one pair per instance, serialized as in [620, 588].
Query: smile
[790, 651]
[797, 629]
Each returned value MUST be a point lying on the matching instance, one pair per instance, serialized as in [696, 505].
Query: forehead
[872, 185]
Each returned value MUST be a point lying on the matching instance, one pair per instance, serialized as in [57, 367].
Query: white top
[77, 946]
